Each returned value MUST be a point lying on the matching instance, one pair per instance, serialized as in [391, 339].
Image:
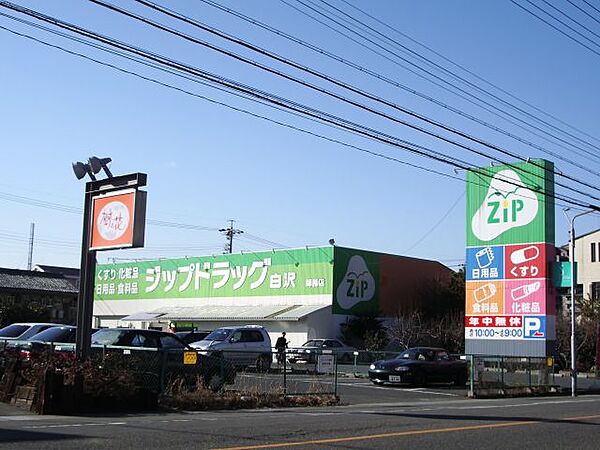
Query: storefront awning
[237, 313]
[142, 316]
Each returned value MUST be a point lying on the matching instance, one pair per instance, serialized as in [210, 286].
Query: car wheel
[263, 363]
[215, 382]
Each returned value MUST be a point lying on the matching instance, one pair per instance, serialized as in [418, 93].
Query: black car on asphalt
[419, 366]
[181, 360]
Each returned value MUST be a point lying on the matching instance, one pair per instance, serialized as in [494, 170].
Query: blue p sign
[534, 327]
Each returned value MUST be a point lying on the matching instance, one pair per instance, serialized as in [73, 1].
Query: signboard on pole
[118, 220]
[510, 299]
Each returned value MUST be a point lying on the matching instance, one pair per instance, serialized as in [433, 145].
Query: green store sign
[283, 272]
[356, 278]
[510, 204]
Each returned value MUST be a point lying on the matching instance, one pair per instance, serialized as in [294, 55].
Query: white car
[307, 353]
[247, 345]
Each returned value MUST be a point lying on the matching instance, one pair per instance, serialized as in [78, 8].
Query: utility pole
[571, 222]
[30, 256]
[229, 233]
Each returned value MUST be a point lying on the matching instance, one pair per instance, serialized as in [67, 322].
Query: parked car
[214, 370]
[64, 334]
[420, 366]
[247, 345]
[307, 354]
[189, 337]
[22, 331]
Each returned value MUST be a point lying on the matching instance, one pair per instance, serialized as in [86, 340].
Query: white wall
[587, 271]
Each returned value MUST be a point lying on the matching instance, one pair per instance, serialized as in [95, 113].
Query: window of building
[593, 251]
[595, 291]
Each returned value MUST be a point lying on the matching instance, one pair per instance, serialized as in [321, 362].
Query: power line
[455, 64]
[554, 26]
[326, 118]
[384, 37]
[583, 11]
[327, 78]
[591, 6]
[181, 90]
[395, 83]
[437, 224]
[465, 95]
[561, 12]
[417, 55]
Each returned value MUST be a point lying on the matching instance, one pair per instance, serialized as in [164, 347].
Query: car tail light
[25, 354]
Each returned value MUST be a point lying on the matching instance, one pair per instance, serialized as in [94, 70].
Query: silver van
[247, 345]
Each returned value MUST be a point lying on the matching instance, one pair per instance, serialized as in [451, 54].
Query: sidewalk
[7, 410]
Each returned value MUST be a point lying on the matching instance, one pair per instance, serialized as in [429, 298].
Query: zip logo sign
[358, 284]
[508, 212]
[508, 204]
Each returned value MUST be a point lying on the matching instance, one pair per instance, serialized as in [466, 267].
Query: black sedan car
[419, 366]
[216, 371]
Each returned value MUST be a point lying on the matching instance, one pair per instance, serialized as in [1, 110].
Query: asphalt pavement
[385, 418]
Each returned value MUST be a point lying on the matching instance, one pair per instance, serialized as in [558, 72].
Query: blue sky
[207, 164]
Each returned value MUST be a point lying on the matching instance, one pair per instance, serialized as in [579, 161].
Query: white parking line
[75, 425]
[425, 391]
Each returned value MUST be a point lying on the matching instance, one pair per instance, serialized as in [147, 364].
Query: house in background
[53, 290]
[70, 273]
[587, 256]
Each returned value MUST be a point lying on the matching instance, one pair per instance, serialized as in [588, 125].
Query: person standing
[280, 345]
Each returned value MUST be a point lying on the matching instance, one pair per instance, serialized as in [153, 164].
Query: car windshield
[171, 342]
[218, 335]
[312, 343]
[55, 334]
[13, 331]
[108, 337]
[406, 355]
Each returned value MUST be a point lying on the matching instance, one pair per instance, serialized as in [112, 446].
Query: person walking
[281, 345]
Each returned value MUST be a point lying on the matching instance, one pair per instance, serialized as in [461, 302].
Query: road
[388, 418]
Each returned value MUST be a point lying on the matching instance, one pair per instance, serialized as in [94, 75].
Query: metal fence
[157, 370]
[503, 372]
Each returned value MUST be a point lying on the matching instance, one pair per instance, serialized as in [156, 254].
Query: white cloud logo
[508, 204]
[358, 285]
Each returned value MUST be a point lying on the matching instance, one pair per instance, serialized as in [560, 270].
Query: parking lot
[352, 390]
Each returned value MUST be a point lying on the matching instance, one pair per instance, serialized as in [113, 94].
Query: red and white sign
[116, 220]
[494, 327]
[525, 261]
[493, 321]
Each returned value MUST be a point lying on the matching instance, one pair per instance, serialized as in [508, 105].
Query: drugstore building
[306, 292]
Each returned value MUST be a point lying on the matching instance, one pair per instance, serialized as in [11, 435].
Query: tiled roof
[27, 280]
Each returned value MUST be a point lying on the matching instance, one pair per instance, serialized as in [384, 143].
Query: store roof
[223, 312]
